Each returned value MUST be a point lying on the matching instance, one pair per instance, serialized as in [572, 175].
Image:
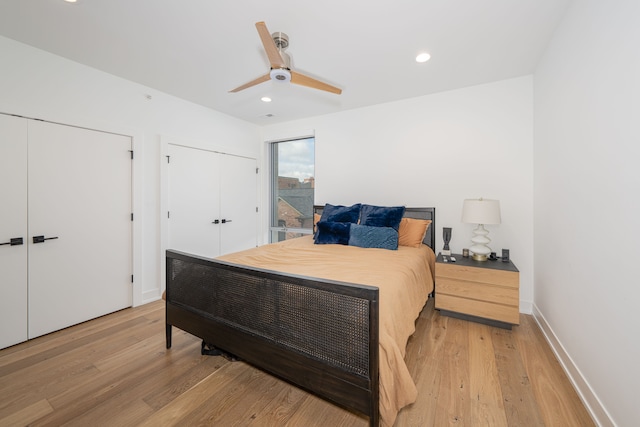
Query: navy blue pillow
[366, 236]
[381, 216]
[332, 233]
[340, 213]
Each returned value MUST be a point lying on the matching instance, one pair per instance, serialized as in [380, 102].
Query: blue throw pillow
[340, 213]
[366, 236]
[332, 233]
[381, 216]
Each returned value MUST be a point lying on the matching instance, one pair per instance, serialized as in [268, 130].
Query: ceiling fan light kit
[280, 75]
[274, 46]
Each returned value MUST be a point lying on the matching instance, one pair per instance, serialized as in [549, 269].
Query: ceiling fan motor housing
[280, 39]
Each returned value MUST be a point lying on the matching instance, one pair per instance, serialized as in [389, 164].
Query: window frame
[275, 231]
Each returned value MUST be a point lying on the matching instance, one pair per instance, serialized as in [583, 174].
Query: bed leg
[168, 332]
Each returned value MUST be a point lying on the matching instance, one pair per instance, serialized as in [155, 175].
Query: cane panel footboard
[320, 335]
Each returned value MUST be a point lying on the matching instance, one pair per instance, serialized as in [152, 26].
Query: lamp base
[479, 257]
[480, 251]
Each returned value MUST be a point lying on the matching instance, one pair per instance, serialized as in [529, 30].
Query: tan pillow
[316, 218]
[412, 231]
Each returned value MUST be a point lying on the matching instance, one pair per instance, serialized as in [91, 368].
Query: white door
[80, 203]
[194, 201]
[238, 202]
[13, 225]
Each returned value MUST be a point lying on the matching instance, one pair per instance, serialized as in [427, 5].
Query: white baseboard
[150, 296]
[599, 414]
[526, 307]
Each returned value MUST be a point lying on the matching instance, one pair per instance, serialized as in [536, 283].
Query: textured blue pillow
[332, 233]
[366, 236]
[381, 216]
[340, 213]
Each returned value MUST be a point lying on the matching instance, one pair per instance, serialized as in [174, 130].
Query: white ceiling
[200, 49]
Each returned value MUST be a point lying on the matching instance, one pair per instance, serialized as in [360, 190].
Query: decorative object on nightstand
[482, 212]
[446, 236]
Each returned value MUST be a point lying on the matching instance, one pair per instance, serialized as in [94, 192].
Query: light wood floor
[115, 371]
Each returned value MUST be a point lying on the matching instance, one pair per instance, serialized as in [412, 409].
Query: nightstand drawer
[487, 310]
[481, 275]
[478, 291]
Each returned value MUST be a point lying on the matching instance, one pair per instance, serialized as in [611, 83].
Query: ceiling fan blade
[257, 81]
[303, 80]
[275, 59]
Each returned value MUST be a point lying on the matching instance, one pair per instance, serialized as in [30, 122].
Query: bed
[326, 318]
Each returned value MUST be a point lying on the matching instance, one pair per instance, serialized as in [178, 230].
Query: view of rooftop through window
[293, 166]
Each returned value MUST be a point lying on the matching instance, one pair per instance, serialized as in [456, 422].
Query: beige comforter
[404, 278]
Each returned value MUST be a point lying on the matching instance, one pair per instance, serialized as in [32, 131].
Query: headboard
[418, 213]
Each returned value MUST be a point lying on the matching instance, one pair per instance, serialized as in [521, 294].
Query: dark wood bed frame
[320, 335]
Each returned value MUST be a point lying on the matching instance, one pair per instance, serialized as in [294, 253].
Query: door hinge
[131, 216]
[168, 157]
[132, 278]
[256, 209]
[257, 169]
[168, 214]
[131, 151]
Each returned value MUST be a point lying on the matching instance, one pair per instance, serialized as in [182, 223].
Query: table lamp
[480, 211]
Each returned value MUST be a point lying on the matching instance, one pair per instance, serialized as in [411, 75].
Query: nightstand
[483, 291]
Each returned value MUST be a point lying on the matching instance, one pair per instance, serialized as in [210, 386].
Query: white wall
[436, 150]
[587, 199]
[37, 84]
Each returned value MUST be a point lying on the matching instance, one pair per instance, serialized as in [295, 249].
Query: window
[292, 188]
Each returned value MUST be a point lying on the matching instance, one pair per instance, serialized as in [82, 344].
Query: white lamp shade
[481, 211]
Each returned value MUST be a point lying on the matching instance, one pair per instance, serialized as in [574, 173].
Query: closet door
[80, 204]
[194, 201]
[13, 225]
[238, 201]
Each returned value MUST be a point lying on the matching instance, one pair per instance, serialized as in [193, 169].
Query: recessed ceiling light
[71, 1]
[265, 99]
[423, 57]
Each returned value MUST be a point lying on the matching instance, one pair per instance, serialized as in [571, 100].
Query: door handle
[41, 239]
[217, 221]
[224, 221]
[14, 241]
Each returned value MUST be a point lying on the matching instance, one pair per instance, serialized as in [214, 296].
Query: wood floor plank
[181, 374]
[314, 412]
[285, 402]
[129, 414]
[454, 393]
[252, 400]
[519, 399]
[27, 414]
[554, 394]
[486, 406]
[51, 348]
[46, 343]
[113, 388]
[180, 409]
[115, 370]
[231, 397]
[424, 359]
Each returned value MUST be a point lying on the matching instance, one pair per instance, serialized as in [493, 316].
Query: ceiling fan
[274, 45]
